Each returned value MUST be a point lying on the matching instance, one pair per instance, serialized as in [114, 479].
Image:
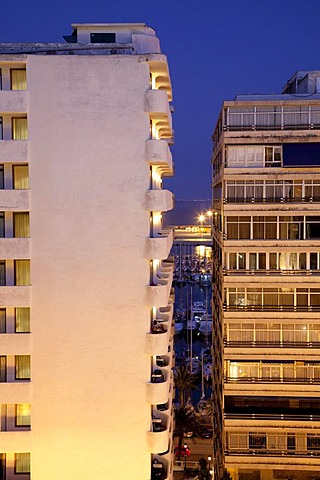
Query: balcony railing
[271, 451]
[272, 200]
[269, 344]
[271, 308]
[230, 272]
[271, 416]
[302, 380]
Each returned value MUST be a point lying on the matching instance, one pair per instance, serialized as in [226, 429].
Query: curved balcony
[158, 154]
[14, 151]
[15, 296]
[157, 342]
[159, 200]
[13, 101]
[14, 200]
[157, 105]
[158, 294]
[158, 388]
[158, 437]
[12, 248]
[159, 468]
[160, 245]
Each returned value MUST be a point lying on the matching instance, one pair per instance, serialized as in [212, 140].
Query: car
[183, 451]
[188, 434]
[205, 433]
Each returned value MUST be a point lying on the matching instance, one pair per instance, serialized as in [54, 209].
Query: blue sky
[215, 50]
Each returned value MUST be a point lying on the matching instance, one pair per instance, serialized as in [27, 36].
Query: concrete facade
[90, 122]
[266, 172]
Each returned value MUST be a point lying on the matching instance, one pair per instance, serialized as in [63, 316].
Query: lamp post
[185, 446]
[201, 219]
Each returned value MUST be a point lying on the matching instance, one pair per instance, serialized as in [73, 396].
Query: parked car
[205, 433]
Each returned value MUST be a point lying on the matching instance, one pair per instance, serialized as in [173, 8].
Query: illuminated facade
[266, 286]
[86, 303]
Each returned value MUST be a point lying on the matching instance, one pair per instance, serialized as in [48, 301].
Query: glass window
[257, 441]
[18, 79]
[22, 272]
[22, 320]
[2, 225]
[302, 261]
[1, 177]
[23, 415]
[313, 442]
[2, 321]
[313, 261]
[3, 368]
[21, 177]
[21, 227]
[19, 129]
[2, 273]
[273, 261]
[22, 367]
[22, 463]
[1, 129]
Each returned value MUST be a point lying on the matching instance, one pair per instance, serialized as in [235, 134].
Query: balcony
[13, 101]
[159, 200]
[14, 200]
[158, 437]
[12, 248]
[157, 105]
[158, 154]
[159, 387]
[157, 341]
[158, 294]
[159, 246]
[15, 296]
[14, 151]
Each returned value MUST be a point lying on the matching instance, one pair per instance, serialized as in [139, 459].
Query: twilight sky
[215, 49]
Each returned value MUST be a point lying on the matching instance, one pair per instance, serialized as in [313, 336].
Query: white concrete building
[85, 295]
[266, 287]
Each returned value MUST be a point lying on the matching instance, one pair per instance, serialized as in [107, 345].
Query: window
[0, 79]
[313, 442]
[2, 323]
[272, 156]
[22, 367]
[2, 225]
[22, 272]
[1, 179]
[3, 368]
[18, 79]
[22, 463]
[19, 128]
[2, 273]
[257, 441]
[21, 225]
[20, 177]
[23, 415]
[102, 38]
[22, 320]
[1, 129]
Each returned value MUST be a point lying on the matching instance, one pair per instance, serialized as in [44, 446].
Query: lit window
[20, 177]
[22, 367]
[22, 320]
[22, 272]
[23, 415]
[19, 129]
[21, 225]
[18, 79]
[22, 463]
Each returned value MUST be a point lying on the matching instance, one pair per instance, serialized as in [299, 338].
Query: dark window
[297, 154]
[1, 132]
[2, 273]
[102, 38]
[257, 441]
[3, 369]
[291, 442]
[1, 180]
[313, 442]
[2, 323]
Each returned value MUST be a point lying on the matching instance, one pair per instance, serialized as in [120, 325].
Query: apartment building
[266, 286]
[85, 273]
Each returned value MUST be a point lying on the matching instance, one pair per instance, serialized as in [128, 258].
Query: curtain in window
[22, 320]
[21, 177]
[21, 225]
[22, 271]
[19, 129]
[18, 79]
[3, 369]
[23, 414]
[22, 462]
[22, 367]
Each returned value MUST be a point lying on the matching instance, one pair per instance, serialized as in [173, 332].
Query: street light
[185, 446]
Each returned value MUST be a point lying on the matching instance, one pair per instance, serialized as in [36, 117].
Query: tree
[186, 420]
[184, 382]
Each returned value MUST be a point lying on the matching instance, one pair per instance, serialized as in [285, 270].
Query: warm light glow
[153, 82]
[209, 213]
[157, 217]
[201, 218]
[209, 458]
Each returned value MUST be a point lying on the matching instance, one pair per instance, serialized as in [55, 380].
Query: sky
[216, 49]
